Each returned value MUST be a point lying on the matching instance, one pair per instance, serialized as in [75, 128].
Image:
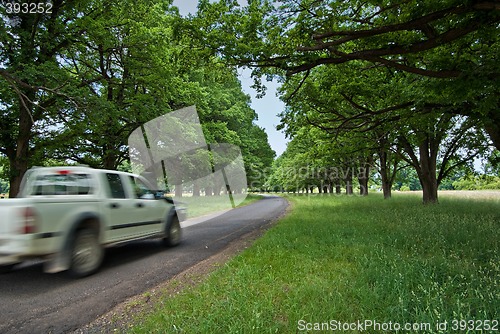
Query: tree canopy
[372, 86]
[400, 73]
[77, 81]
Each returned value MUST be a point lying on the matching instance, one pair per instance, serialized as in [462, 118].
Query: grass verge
[199, 206]
[342, 260]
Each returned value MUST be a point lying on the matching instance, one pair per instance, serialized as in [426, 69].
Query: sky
[267, 107]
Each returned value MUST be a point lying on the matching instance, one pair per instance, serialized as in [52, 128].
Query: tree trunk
[20, 162]
[109, 159]
[427, 171]
[348, 182]
[196, 189]
[384, 174]
[19, 167]
[208, 191]
[425, 165]
[363, 186]
[386, 186]
[218, 188]
[178, 190]
[364, 175]
[430, 193]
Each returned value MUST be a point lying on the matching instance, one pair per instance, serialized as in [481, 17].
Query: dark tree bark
[348, 181]
[425, 166]
[19, 163]
[389, 162]
[427, 171]
[364, 174]
[384, 174]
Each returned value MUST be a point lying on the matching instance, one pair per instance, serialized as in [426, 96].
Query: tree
[75, 73]
[33, 84]
[313, 161]
[128, 71]
[440, 144]
[383, 108]
[453, 42]
[353, 107]
[388, 168]
[76, 82]
[259, 158]
[226, 116]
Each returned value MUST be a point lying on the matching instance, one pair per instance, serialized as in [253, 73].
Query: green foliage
[407, 179]
[4, 185]
[94, 71]
[4, 175]
[380, 108]
[492, 165]
[392, 73]
[477, 182]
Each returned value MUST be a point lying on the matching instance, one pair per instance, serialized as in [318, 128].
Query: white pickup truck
[68, 215]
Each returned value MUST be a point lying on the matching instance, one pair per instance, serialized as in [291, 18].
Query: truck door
[149, 211]
[119, 208]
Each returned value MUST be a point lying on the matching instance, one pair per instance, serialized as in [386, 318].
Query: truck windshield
[62, 184]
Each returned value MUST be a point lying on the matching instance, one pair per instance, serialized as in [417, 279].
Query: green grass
[350, 259]
[199, 206]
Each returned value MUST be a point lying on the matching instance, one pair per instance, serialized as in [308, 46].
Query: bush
[4, 186]
[477, 182]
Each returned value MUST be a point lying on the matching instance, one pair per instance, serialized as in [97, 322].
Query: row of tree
[372, 83]
[74, 83]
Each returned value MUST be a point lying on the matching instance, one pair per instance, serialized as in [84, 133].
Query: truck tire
[173, 232]
[86, 253]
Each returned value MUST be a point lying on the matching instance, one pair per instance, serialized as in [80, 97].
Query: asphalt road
[34, 302]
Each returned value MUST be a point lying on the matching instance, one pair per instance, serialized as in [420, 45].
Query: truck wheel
[86, 254]
[173, 232]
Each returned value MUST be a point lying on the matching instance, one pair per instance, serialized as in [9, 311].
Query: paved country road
[34, 302]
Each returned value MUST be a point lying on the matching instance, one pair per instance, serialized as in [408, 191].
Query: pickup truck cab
[68, 215]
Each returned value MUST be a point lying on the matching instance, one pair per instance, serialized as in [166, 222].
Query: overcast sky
[267, 107]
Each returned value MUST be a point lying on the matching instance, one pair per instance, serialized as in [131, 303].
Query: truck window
[62, 184]
[115, 186]
[141, 190]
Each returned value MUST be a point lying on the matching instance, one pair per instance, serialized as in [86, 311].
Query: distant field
[472, 194]
[469, 194]
[343, 261]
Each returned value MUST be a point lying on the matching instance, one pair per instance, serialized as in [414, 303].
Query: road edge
[119, 318]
